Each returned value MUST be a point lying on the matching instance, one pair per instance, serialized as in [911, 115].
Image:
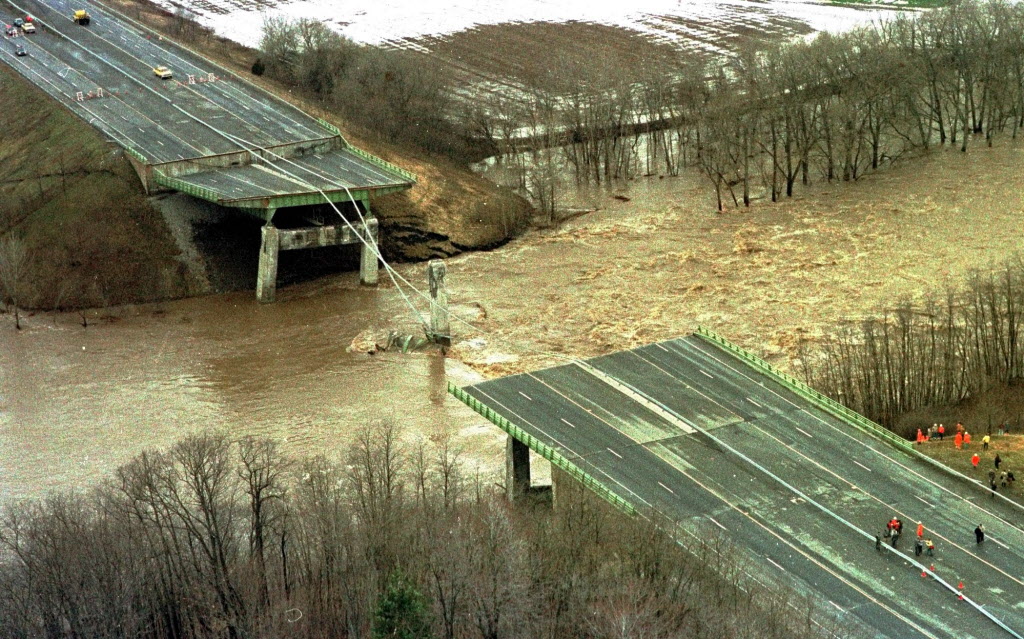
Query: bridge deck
[695, 434]
[328, 172]
[170, 120]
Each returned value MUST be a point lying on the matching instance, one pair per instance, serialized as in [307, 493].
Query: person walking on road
[918, 547]
[975, 459]
[984, 442]
[929, 547]
[920, 529]
[979, 534]
[878, 541]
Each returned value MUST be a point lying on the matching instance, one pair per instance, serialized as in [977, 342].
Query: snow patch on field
[376, 22]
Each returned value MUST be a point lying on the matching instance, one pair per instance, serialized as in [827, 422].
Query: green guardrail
[824, 402]
[542, 449]
[185, 187]
[135, 154]
[382, 163]
[330, 127]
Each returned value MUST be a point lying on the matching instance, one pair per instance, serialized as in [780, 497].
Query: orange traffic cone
[960, 586]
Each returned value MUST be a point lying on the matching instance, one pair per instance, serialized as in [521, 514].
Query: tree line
[222, 538]
[396, 94]
[951, 346]
[772, 115]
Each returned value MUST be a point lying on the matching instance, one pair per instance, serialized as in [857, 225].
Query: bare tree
[14, 263]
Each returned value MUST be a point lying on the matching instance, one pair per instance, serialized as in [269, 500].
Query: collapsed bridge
[710, 440]
[204, 131]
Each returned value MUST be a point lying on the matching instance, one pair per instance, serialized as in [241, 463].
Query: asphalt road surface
[690, 432]
[163, 119]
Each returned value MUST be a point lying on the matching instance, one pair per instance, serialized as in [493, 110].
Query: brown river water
[651, 263]
[77, 402]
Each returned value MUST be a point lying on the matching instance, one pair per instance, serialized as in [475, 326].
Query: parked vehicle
[162, 72]
[18, 22]
[82, 17]
[28, 27]
[20, 51]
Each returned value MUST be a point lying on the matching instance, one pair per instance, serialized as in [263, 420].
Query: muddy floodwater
[76, 402]
[653, 261]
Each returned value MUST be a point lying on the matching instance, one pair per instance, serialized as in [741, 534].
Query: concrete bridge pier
[266, 276]
[276, 240]
[517, 469]
[440, 326]
[368, 265]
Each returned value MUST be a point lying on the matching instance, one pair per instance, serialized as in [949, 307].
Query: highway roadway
[164, 119]
[687, 431]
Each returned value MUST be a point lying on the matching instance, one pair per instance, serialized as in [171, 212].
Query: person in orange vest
[958, 441]
[920, 436]
[975, 459]
[920, 529]
[942, 432]
[967, 439]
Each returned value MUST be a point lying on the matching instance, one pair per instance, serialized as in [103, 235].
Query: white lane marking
[567, 422]
[754, 403]
[772, 562]
[838, 607]
[930, 505]
[666, 488]
[717, 524]
[804, 432]
[861, 465]
[614, 453]
[705, 373]
[526, 396]
[996, 541]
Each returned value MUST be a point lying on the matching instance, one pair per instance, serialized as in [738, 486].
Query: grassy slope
[74, 199]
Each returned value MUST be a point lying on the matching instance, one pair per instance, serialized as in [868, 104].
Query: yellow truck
[81, 17]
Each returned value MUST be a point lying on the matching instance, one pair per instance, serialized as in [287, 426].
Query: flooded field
[653, 262]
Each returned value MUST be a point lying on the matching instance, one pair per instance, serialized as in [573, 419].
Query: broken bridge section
[709, 439]
[204, 130]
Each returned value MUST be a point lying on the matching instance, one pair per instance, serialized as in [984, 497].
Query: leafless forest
[772, 115]
[943, 350]
[215, 538]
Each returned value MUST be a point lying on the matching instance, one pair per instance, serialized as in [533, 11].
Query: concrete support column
[517, 469]
[368, 266]
[440, 328]
[266, 277]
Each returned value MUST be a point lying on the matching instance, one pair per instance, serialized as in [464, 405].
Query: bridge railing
[820, 400]
[135, 154]
[369, 157]
[542, 449]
